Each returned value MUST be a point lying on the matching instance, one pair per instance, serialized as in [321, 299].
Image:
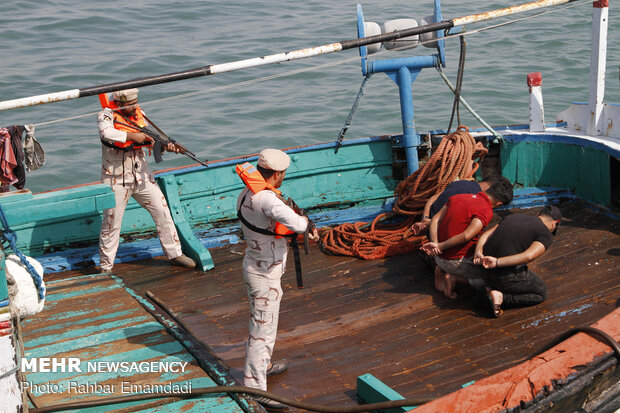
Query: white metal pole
[598, 59]
[493, 14]
[537, 110]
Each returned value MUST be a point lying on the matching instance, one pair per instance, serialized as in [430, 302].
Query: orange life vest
[256, 183]
[121, 124]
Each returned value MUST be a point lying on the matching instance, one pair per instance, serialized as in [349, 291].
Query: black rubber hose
[459, 85]
[234, 389]
[609, 340]
[302, 405]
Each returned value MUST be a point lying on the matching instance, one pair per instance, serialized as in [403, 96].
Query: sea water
[55, 45]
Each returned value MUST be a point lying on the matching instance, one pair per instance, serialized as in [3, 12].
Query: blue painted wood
[220, 377]
[4, 290]
[372, 390]
[211, 405]
[600, 144]
[76, 324]
[42, 210]
[211, 237]
[100, 334]
[536, 197]
[7, 198]
[56, 218]
[580, 168]
[71, 202]
[253, 157]
[80, 334]
[190, 244]
[51, 298]
[94, 339]
[316, 177]
[83, 191]
[143, 354]
[361, 171]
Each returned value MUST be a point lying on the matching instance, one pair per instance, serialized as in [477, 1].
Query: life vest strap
[254, 228]
[119, 148]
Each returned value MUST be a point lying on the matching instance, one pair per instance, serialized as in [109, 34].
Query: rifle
[309, 229]
[163, 139]
[160, 139]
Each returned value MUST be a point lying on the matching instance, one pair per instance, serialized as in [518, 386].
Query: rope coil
[453, 159]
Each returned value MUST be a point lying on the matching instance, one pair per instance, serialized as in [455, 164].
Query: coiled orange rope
[453, 159]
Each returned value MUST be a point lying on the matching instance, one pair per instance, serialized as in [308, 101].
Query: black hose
[459, 85]
[609, 340]
[234, 389]
[302, 405]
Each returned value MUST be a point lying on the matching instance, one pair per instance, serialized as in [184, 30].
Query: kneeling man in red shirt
[454, 231]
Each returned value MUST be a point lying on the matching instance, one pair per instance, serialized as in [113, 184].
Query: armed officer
[265, 218]
[125, 169]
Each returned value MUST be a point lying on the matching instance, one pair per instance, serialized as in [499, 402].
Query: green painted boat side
[189, 242]
[361, 171]
[54, 219]
[70, 217]
[581, 169]
[317, 176]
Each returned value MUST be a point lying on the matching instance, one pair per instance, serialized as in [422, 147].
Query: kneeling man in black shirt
[506, 248]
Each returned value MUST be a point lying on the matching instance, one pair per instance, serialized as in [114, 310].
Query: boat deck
[94, 319]
[384, 317]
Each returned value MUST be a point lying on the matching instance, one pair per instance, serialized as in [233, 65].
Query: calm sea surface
[55, 45]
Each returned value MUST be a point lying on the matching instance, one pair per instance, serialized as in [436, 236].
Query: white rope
[324, 65]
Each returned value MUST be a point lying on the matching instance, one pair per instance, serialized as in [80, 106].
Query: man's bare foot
[449, 283]
[497, 296]
[439, 280]
[497, 299]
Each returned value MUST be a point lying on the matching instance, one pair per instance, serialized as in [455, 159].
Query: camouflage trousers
[152, 199]
[265, 294]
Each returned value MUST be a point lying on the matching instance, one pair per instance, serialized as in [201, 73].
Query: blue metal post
[411, 139]
[404, 71]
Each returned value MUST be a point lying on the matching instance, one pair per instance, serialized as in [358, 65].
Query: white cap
[273, 159]
[126, 95]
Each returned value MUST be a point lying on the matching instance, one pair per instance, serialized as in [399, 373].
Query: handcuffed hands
[478, 258]
[431, 248]
[420, 227]
[489, 262]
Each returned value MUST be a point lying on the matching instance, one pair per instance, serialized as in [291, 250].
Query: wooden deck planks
[94, 319]
[384, 316]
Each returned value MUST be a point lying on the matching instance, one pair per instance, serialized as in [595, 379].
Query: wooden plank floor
[384, 317]
[92, 318]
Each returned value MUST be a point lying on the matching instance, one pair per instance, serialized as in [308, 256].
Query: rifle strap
[293, 237]
[254, 228]
[298, 271]
[118, 148]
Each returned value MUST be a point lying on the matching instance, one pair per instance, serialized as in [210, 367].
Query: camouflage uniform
[263, 267]
[129, 175]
